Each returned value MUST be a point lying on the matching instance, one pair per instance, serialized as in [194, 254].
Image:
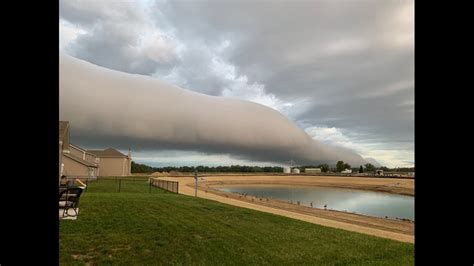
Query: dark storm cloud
[342, 64]
[117, 108]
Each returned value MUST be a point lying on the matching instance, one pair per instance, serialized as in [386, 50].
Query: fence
[172, 186]
[121, 184]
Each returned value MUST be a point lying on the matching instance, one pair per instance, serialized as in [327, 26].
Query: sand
[393, 229]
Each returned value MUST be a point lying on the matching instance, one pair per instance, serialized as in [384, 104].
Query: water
[352, 200]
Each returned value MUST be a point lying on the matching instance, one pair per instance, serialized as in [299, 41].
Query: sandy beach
[388, 228]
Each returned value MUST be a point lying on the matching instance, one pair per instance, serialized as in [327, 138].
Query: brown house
[73, 160]
[77, 162]
[63, 143]
[112, 162]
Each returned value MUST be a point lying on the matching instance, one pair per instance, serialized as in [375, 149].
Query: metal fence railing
[120, 184]
[171, 186]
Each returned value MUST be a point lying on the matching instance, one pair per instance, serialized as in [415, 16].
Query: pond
[351, 200]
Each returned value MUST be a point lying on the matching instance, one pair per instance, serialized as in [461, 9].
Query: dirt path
[387, 228]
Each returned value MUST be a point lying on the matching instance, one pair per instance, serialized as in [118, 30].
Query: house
[77, 162]
[346, 171]
[63, 143]
[312, 170]
[112, 162]
[73, 160]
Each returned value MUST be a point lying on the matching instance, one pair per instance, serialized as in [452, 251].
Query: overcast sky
[343, 71]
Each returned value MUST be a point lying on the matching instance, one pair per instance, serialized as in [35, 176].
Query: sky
[342, 71]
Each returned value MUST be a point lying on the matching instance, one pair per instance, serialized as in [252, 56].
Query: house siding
[76, 152]
[112, 167]
[60, 156]
[90, 157]
[73, 168]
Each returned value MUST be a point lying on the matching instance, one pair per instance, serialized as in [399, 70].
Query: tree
[140, 168]
[340, 166]
[347, 166]
[369, 167]
[324, 168]
[361, 169]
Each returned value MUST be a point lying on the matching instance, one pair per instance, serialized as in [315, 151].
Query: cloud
[189, 158]
[120, 109]
[68, 33]
[119, 35]
[337, 64]
[384, 153]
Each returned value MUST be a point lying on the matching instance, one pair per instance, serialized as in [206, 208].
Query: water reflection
[351, 200]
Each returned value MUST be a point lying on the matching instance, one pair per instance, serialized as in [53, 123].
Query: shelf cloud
[119, 109]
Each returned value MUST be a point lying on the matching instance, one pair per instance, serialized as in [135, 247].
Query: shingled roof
[110, 152]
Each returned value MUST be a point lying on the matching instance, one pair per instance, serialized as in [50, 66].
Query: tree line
[340, 166]
[141, 168]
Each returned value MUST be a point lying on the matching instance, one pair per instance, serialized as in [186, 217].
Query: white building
[312, 170]
[295, 171]
[347, 171]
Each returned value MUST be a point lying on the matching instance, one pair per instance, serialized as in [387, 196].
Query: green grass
[135, 227]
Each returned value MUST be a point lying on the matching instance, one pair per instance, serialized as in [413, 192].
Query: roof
[110, 152]
[80, 160]
[63, 125]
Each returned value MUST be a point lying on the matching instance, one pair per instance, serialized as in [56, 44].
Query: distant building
[347, 171]
[286, 170]
[312, 170]
[295, 171]
[112, 162]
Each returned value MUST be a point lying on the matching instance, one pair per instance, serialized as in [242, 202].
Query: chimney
[129, 153]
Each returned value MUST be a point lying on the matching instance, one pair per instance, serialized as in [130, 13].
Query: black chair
[69, 199]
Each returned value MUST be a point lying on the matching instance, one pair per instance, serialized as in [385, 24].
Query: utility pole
[196, 185]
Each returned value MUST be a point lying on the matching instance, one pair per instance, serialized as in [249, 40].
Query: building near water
[347, 171]
[312, 170]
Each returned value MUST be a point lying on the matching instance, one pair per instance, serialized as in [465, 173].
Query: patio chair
[69, 199]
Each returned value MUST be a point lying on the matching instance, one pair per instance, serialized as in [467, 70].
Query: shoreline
[383, 227]
[284, 184]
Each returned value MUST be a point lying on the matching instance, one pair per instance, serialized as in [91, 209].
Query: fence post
[149, 188]
[120, 184]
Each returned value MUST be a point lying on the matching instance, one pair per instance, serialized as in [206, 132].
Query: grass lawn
[135, 227]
